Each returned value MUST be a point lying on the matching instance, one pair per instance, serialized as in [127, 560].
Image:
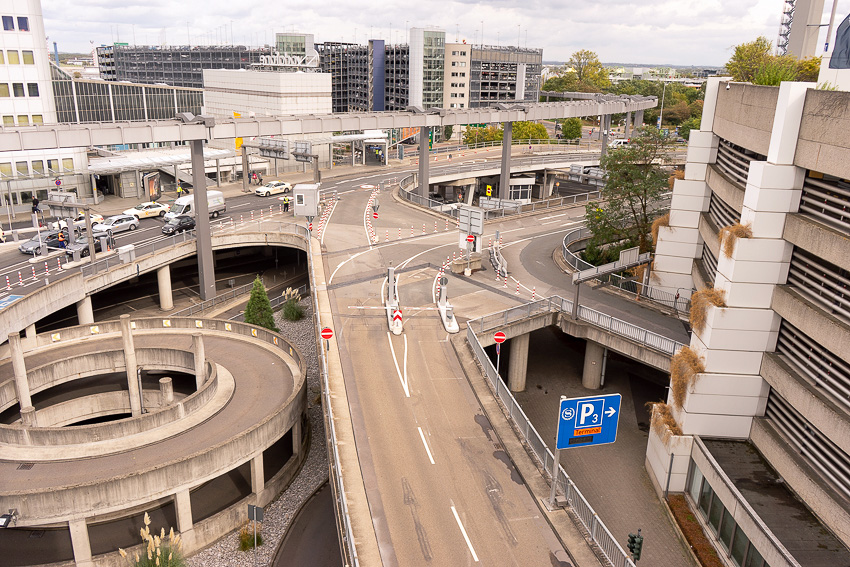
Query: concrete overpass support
[424, 182]
[85, 313]
[183, 507]
[519, 363]
[628, 124]
[166, 392]
[206, 268]
[594, 366]
[296, 436]
[20, 369]
[605, 127]
[258, 482]
[200, 359]
[638, 118]
[80, 542]
[163, 281]
[505, 178]
[133, 387]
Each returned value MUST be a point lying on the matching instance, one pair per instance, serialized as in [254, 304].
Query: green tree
[635, 182]
[447, 132]
[688, 125]
[259, 309]
[561, 83]
[748, 58]
[588, 69]
[775, 70]
[808, 69]
[476, 135]
[678, 113]
[529, 131]
[571, 128]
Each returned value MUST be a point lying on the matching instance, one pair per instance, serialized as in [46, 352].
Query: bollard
[252, 215]
[447, 224]
[411, 231]
[388, 236]
[33, 272]
[435, 226]
[8, 285]
[533, 293]
[399, 233]
[58, 264]
[46, 269]
[506, 279]
[20, 279]
[423, 228]
[517, 287]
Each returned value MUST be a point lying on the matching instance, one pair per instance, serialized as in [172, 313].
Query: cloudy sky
[680, 32]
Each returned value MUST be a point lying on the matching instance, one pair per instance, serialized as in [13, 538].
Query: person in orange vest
[61, 239]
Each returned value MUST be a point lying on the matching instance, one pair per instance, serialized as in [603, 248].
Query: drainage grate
[25, 466]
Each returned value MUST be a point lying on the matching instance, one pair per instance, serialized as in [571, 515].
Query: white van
[618, 143]
[186, 205]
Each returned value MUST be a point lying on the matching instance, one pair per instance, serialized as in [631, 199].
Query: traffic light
[638, 547]
[631, 544]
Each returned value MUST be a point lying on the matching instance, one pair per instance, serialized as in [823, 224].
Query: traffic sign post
[499, 337]
[584, 422]
[327, 334]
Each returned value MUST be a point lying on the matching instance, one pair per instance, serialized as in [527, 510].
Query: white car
[149, 209]
[116, 223]
[273, 188]
[79, 221]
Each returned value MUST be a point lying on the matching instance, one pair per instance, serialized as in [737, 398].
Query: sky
[677, 32]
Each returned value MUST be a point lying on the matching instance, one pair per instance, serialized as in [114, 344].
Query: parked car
[149, 209]
[49, 237]
[82, 245]
[436, 197]
[178, 224]
[273, 188]
[116, 223]
[79, 221]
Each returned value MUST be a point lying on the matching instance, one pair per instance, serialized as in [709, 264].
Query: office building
[499, 74]
[761, 220]
[295, 44]
[456, 75]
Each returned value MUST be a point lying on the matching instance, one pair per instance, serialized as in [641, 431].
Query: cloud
[682, 32]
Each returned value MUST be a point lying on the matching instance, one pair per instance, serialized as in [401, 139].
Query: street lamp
[661, 115]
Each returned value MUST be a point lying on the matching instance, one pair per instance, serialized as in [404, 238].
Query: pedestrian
[35, 208]
[259, 179]
[254, 177]
[179, 190]
[286, 204]
[61, 239]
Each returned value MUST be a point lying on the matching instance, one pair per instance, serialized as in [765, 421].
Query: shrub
[662, 420]
[246, 536]
[656, 226]
[159, 551]
[732, 233]
[259, 309]
[292, 311]
[700, 302]
[684, 367]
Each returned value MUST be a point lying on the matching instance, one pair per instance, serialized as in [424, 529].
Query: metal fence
[555, 303]
[497, 144]
[596, 529]
[672, 300]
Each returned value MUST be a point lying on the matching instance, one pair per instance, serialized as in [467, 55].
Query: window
[2, 57]
[5, 169]
[454, 52]
[37, 167]
[22, 168]
[4, 90]
[454, 63]
[18, 88]
[29, 59]
[37, 119]
[14, 59]
[23, 120]
[463, 73]
[68, 164]
[8, 23]
[53, 165]
[8, 121]
[23, 23]
[33, 89]
[463, 53]
[454, 73]
[461, 105]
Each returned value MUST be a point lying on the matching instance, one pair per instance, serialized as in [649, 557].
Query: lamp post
[661, 115]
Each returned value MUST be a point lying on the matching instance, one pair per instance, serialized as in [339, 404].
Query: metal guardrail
[498, 144]
[589, 519]
[217, 300]
[672, 300]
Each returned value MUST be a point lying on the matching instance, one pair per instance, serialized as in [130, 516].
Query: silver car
[116, 223]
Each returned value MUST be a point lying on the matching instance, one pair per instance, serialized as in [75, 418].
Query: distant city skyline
[676, 32]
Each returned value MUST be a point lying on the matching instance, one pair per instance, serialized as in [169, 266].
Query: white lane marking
[344, 262]
[395, 360]
[427, 450]
[552, 217]
[538, 236]
[327, 223]
[406, 381]
[466, 537]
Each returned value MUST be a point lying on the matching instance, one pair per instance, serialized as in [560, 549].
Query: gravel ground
[279, 514]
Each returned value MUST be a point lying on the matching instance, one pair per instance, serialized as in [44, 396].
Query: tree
[678, 114]
[588, 69]
[476, 135]
[561, 83]
[259, 309]
[808, 69]
[447, 132]
[775, 70]
[748, 58]
[529, 131]
[688, 125]
[571, 129]
[635, 182]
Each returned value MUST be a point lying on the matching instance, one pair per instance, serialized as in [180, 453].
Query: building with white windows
[456, 75]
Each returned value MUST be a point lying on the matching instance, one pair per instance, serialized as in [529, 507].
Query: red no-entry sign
[470, 238]
[327, 333]
[499, 337]
[374, 215]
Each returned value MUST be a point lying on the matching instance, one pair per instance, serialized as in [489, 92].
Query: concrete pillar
[628, 124]
[85, 313]
[591, 376]
[163, 281]
[183, 508]
[424, 156]
[200, 359]
[245, 172]
[20, 370]
[505, 178]
[518, 363]
[176, 178]
[28, 417]
[166, 392]
[80, 543]
[218, 173]
[258, 479]
[639, 118]
[296, 435]
[130, 362]
[29, 337]
[604, 128]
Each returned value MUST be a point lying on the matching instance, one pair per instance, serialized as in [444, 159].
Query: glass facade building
[497, 73]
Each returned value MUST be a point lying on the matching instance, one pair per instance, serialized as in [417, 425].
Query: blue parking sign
[588, 421]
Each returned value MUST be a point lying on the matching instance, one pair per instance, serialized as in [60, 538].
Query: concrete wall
[744, 115]
[823, 144]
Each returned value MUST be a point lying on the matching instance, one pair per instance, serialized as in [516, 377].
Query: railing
[217, 300]
[702, 453]
[597, 530]
[611, 324]
[496, 144]
[721, 213]
[828, 200]
[671, 300]
[734, 162]
[822, 282]
[350, 550]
